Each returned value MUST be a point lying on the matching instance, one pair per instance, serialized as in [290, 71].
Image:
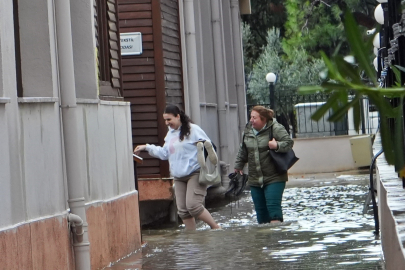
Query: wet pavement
[324, 228]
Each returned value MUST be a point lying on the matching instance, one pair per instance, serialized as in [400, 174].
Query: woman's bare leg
[207, 218]
[190, 224]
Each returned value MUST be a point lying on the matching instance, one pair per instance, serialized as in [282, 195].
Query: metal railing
[294, 112]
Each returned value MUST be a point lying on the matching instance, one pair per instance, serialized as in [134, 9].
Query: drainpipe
[73, 152]
[239, 66]
[216, 7]
[187, 99]
[76, 223]
[191, 54]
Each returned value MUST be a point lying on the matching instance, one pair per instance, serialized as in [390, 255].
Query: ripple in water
[324, 228]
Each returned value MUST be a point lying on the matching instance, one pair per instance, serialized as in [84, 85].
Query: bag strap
[243, 137]
[243, 140]
[271, 133]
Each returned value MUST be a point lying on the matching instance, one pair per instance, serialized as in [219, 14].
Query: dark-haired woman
[181, 151]
[266, 184]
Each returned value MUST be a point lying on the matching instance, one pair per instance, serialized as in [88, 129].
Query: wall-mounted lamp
[375, 63]
[376, 41]
[379, 14]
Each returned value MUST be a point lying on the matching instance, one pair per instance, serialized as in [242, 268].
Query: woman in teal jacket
[266, 184]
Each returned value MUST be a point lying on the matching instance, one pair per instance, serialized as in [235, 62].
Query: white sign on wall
[131, 43]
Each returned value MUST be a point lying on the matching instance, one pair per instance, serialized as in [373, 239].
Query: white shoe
[211, 153]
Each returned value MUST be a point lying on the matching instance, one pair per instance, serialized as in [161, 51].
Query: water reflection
[324, 229]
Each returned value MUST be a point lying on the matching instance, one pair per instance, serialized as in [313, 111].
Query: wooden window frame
[16, 20]
[103, 51]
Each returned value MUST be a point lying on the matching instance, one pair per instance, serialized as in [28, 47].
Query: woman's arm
[241, 158]
[282, 138]
[153, 150]
[158, 151]
[139, 148]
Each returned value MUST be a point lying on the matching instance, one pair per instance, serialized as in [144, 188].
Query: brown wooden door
[154, 78]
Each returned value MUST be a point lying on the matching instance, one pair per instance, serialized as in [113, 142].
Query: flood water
[323, 228]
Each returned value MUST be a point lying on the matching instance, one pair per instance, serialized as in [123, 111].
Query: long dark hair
[185, 120]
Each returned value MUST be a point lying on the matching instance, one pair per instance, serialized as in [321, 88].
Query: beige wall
[114, 232]
[34, 232]
[319, 155]
[391, 211]
[114, 229]
[34, 213]
[42, 244]
[391, 240]
[106, 141]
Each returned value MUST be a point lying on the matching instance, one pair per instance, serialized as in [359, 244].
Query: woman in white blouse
[181, 151]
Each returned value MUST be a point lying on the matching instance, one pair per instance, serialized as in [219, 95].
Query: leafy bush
[344, 77]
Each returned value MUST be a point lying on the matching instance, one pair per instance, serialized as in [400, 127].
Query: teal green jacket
[254, 150]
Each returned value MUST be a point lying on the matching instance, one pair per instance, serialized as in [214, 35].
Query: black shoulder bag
[283, 161]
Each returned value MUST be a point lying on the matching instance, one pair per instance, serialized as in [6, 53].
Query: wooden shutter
[171, 45]
[108, 47]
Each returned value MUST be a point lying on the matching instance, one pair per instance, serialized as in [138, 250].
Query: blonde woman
[266, 184]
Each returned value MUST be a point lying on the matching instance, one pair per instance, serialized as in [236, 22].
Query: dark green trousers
[267, 201]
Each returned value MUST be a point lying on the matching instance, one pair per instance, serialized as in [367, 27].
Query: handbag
[209, 173]
[283, 161]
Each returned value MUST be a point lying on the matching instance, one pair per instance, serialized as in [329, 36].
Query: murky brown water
[324, 229]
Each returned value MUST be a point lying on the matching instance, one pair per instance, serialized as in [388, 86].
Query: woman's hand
[139, 148]
[273, 144]
[239, 171]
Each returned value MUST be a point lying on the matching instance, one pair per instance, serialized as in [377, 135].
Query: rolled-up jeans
[190, 195]
[267, 201]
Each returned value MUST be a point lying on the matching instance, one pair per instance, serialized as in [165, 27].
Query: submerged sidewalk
[324, 228]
